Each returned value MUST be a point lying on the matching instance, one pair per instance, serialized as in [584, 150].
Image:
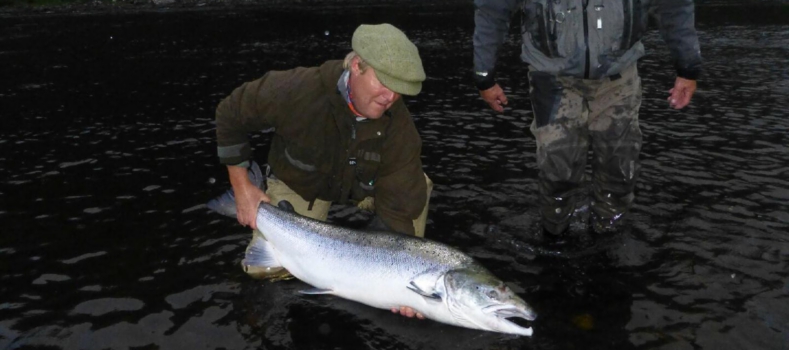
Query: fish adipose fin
[260, 253]
[316, 291]
[225, 204]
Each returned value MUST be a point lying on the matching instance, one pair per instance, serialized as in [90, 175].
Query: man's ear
[355, 70]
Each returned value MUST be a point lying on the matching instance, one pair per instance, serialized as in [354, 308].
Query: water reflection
[107, 156]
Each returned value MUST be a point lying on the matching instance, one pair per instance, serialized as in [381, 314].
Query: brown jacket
[319, 149]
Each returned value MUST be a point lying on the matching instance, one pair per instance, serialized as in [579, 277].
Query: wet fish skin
[385, 270]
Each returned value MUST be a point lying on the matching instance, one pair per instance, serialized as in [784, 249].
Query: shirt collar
[345, 89]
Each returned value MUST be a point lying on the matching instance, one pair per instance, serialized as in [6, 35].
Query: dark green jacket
[319, 149]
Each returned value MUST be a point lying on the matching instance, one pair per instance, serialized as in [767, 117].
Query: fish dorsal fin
[286, 206]
[424, 284]
[316, 291]
[260, 254]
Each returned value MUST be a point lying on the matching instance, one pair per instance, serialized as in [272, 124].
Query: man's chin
[375, 116]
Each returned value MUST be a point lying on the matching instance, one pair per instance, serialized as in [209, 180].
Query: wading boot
[602, 225]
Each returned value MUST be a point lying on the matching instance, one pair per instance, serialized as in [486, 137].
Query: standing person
[585, 89]
[341, 133]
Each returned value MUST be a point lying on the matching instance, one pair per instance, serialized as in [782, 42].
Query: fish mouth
[510, 311]
[516, 319]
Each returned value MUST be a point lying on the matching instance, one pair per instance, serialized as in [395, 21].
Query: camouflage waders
[569, 114]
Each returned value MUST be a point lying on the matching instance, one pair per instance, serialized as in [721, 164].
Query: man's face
[370, 98]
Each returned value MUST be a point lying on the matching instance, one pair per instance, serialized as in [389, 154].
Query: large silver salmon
[382, 269]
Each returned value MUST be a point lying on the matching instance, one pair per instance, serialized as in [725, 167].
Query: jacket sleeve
[401, 190]
[491, 24]
[677, 27]
[251, 107]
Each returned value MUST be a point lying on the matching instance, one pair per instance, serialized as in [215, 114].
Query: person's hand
[407, 312]
[248, 196]
[495, 98]
[681, 93]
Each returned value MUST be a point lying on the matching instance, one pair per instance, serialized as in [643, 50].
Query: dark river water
[107, 156]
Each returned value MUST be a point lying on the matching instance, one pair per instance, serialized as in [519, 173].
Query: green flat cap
[395, 58]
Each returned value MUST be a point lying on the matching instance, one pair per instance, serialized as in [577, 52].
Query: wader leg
[278, 191]
[560, 130]
[616, 142]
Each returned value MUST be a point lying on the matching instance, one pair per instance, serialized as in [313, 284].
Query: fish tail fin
[225, 204]
[260, 253]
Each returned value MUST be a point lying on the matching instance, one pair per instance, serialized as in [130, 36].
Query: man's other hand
[681, 93]
[495, 98]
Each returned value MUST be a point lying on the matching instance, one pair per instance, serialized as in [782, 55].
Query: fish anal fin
[260, 253]
[316, 291]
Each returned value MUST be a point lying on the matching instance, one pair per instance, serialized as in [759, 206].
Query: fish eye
[492, 294]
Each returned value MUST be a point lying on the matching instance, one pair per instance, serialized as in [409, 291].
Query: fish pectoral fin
[420, 291]
[424, 284]
[260, 253]
[316, 291]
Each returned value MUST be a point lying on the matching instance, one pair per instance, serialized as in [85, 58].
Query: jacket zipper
[353, 130]
[348, 158]
[628, 25]
[586, 39]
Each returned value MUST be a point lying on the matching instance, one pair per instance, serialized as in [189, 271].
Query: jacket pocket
[613, 22]
[368, 163]
[301, 158]
[302, 168]
[536, 22]
[550, 26]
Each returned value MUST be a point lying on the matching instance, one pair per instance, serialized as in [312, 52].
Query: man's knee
[278, 191]
[429, 185]
[421, 221]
